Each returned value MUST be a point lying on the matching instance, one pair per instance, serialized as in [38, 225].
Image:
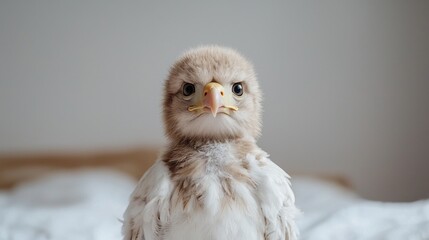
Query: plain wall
[346, 83]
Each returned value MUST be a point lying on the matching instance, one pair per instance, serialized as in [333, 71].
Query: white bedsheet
[85, 205]
[88, 205]
[331, 212]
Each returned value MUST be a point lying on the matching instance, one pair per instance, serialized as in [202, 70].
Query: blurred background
[346, 83]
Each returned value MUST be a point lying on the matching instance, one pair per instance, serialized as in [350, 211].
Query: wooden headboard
[15, 168]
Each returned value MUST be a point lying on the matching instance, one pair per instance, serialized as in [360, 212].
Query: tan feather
[203, 65]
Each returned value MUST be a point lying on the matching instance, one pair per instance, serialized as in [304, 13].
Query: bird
[212, 181]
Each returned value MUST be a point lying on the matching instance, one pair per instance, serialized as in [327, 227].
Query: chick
[212, 181]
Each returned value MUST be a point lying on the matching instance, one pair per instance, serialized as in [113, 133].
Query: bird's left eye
[188, 89]
[237, 89]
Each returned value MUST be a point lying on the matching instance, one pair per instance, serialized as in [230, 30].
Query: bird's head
[212, 93]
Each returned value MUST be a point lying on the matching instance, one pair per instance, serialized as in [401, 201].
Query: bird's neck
[201, 143]
[196, 158]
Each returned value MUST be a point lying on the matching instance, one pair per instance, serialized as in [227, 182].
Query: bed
[83, 197]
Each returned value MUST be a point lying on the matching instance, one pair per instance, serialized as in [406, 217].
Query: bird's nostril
[205, 93]
[221, 93]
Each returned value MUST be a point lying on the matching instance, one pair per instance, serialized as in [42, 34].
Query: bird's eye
[237, 89]
[188, 89]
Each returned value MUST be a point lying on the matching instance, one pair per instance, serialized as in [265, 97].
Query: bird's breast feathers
[212, 194]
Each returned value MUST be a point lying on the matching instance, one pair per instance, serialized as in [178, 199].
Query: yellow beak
[215, 99]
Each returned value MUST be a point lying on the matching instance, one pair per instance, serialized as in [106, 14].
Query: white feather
[269, 211]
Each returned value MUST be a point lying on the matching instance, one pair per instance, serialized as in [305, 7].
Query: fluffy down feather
[213, 181]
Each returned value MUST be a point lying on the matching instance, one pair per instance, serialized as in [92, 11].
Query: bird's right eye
[188, 89]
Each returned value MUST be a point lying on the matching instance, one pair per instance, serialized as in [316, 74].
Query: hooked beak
[214, 98]
[213, 94]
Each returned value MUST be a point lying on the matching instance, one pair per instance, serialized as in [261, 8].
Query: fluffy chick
[212, 181]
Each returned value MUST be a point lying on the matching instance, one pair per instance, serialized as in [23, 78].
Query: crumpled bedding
[84, 205]
[332, 212]
[89, 205]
